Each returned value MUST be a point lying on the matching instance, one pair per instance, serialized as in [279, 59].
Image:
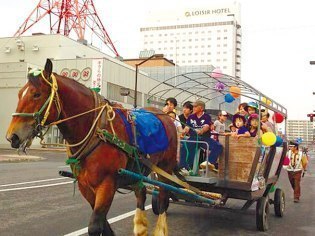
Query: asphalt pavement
[34, 200]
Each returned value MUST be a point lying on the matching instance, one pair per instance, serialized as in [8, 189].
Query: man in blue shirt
[200, 123]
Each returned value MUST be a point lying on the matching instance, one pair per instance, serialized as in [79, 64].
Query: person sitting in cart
[267, 126]
[179, 130]
[219, 124]
[198, 127]
[187, 111]
[251, 108]
[242, 109]
[252, 127]
[239, 122]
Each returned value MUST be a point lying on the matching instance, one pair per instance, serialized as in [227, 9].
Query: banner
[97, 74]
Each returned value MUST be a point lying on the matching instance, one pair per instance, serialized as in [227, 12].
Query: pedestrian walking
[297, 164]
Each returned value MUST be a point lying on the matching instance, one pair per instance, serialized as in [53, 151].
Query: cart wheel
[262, 214]
[155, 202]
[279, 202]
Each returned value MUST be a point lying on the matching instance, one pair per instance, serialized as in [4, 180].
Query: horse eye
[36, 95]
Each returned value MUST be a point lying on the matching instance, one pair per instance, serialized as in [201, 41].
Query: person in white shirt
[179, 130]
[219, 124]
[297, 165]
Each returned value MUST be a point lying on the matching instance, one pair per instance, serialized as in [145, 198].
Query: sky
[278, 41]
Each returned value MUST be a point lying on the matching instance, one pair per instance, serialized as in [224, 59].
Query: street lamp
[136, 78]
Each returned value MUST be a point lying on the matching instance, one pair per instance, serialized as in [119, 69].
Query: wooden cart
[247, 169]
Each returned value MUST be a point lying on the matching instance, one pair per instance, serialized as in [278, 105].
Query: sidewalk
[8, 154]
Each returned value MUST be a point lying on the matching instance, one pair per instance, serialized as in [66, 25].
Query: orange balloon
[235, 91]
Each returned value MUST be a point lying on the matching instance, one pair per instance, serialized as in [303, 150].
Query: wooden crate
[240, 158]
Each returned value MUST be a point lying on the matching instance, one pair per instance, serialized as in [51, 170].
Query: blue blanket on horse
[151, 134]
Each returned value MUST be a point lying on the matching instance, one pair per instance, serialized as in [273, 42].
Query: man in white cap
[219, 124]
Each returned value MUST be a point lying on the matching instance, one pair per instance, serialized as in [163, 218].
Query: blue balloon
[228, 98]
[279, 141]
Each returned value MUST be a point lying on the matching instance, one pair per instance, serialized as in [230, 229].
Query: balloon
[299, 140]
[268, 139]
[219, 86]
[228, 98]
[279, 141]
[277, 117]
[235, 91]
[216, 73]
[265, 100]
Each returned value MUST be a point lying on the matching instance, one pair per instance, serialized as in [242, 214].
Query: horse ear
[48, 67]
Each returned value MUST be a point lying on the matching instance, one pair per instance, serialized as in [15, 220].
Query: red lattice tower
[66, 16]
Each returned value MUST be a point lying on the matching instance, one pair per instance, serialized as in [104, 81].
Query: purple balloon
[219, 86]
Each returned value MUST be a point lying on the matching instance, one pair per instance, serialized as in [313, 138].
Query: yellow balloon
[268, 139]
[235, 91]
[264, 100]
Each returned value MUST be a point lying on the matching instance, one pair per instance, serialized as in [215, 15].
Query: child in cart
[239, 122]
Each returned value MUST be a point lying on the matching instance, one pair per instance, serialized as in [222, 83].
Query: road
[34, 200]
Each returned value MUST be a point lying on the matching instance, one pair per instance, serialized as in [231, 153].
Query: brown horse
[48, 97]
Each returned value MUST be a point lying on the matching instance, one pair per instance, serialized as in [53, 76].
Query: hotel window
[172, 41]
[202, 60]
[183, 47]
[202, 46]
[209, 38]
[145, 36]
[189, 40]
[224, 45]
[196, 53]
[225, 30]
[190, 33]
[218, 38]
[196, 60]
[196, 40]
[189, 54]
[209, 53]
[183, 61]
[165, 34]
[189, 61]
[225, 37]
[190, 47]
[196, 46]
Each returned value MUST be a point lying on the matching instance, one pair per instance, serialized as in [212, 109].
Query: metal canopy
[204, 86]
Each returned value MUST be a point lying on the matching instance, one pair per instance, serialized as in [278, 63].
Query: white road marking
[110, 221]
[38, 186]
[31, 182]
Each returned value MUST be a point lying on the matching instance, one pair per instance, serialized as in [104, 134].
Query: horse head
[35, 107]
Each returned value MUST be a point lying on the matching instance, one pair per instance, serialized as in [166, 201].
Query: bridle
[53, 97]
